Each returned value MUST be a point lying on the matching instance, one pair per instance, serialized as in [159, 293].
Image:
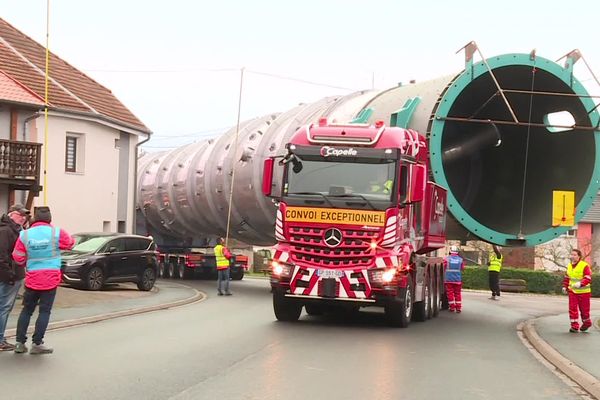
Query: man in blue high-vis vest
[38, 248]
[453, 266]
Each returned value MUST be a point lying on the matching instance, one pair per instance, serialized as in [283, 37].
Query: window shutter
[71, 154]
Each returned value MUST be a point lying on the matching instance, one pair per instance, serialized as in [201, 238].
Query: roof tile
[24, 60]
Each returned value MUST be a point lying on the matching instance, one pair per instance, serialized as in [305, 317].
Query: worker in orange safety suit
[577, 284]
[453, 267]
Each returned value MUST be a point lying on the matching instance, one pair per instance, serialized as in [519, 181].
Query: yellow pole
[46, 102]
[233, 157]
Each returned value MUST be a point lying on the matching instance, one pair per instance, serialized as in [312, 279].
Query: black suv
[99, 258]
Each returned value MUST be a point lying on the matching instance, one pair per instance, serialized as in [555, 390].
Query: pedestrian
[223, 257]
[453, 266]
[494, 267]
[11, 274]
[39, 249]
[578, 283]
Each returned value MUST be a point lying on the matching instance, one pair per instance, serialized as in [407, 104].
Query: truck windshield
[374, 181]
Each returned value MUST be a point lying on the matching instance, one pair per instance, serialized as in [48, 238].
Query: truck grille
[307, 246]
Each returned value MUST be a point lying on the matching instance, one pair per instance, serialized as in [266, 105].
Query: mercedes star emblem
[332, 237]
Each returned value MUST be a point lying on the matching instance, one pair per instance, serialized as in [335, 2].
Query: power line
[288, 78]
[183, 70]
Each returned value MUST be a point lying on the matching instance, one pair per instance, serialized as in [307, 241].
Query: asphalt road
[232, 348]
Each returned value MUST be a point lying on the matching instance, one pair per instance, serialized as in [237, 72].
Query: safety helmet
[454, 249]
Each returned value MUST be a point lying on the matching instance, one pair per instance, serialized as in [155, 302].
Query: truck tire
[313, 309]
[238, 276]
[422, 310]
[285, 309]
[398, 311]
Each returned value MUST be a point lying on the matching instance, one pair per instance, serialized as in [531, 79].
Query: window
[74, 152]
[71, 154]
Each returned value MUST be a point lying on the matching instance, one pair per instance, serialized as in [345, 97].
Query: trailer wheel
[285, 309]
[399, 310]
[184, 272]
[170, 270]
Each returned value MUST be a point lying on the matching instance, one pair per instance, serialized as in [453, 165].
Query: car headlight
[76, 262]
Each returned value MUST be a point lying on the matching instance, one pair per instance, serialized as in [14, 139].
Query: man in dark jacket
[11, 275]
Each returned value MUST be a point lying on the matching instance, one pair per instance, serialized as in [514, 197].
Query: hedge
[537, 281]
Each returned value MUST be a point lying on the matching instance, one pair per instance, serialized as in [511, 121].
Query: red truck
[356, 218]
[189, 264]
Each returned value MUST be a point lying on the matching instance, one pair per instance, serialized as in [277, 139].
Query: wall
[83, 200]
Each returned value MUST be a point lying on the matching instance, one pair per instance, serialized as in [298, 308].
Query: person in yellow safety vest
[386, 187]
[494, 267]
[577, 283]
[222, 256]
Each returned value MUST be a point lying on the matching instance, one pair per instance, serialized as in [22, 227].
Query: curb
[197, 297]
[583, 378]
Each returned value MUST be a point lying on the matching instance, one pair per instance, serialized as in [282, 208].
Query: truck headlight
[281, 269]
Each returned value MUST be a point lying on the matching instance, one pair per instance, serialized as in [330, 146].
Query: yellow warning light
[563, 208]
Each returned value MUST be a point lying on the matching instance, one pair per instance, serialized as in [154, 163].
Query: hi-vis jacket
[39, 248]
[454, 265]
[581, 273]
[495, 262]
[223, 255]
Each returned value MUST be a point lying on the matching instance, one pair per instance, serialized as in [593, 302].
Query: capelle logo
[327, 151]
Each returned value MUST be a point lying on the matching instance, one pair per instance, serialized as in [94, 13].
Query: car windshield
[371, 180]
[90, 244]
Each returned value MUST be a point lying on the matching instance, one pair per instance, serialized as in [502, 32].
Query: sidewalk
[575, 354]
[75, 306]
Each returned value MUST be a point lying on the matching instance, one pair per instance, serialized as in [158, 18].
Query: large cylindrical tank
[500, 175]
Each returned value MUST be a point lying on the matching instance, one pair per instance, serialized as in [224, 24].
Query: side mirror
[112, 249]
[267, 183]
[417, 183]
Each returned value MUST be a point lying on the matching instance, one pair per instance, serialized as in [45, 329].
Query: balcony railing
[20, 160]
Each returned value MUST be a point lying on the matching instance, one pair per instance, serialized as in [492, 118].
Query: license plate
[329, 273]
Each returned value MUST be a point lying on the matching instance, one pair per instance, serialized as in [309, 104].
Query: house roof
[12, 91]
[23, 60]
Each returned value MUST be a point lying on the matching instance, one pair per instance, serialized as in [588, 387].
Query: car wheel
[147, 279]
[95, 279]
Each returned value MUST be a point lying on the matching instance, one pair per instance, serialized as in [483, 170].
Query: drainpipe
[135, 180]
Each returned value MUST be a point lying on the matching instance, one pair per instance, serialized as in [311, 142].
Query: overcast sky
[176, 63]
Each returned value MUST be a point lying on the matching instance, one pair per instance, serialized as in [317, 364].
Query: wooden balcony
[20, 164]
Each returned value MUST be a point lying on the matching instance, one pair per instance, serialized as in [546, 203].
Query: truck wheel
[423, 307]
[94, 279]
[444, 304]
[161, 269]
[238, 276]
[147, 279]
[313, 309]
[399, 310]
[285, 309]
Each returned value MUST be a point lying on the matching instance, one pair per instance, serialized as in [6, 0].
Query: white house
[91, 146]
